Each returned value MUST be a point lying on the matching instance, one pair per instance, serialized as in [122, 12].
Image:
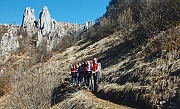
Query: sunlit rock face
[28, 22]
[46, 24]
[44, 31]
[9, 41]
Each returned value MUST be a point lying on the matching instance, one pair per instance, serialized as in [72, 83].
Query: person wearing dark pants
[73, 74]
[80, 71]
[89, 74]
[76, 75]
[95, 74]
[85, 73]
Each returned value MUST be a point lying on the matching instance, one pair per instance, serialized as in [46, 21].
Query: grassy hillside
[145, 61]
[143, 26]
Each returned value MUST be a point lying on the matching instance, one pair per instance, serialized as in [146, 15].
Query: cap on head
[95, 60]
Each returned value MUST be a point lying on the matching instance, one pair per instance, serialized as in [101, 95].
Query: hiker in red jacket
[95, 73]
[73, 71]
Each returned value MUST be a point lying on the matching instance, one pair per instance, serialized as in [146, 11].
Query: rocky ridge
[53, 30]
[43, 32]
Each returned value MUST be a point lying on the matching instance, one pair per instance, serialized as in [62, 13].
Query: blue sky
[73, 11]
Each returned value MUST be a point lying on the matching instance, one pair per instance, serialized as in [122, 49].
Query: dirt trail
[80, 96]
[108, 104]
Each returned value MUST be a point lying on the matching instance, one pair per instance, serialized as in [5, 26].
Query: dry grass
[2, 85]
[155, 66]
[27, 86]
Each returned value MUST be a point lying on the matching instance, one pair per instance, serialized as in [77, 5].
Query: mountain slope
[137, 42]
[138, 50]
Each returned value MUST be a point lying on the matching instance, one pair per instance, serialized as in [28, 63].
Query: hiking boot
[85, 87]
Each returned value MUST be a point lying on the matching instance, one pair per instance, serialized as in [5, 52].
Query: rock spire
[46, 24]
[28, 20]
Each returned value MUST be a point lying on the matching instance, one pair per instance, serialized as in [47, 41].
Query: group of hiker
[86, 74]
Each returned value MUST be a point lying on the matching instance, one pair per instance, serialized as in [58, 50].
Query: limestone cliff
[28, 21]
[9, 40]
[43, 32]
[45, 23]
[47, 27]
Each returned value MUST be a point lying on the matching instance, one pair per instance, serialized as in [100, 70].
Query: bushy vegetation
[65, 42]
[163, 45]
[3, 83]
[150, 17]
[26, 88]
[29, 87]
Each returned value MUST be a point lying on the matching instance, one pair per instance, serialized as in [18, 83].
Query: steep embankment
[67, 96]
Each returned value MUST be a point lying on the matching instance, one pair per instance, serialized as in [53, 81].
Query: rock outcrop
[9, 41]
[28, 22]
[46, 24]
[88, 24]
[44, 32]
